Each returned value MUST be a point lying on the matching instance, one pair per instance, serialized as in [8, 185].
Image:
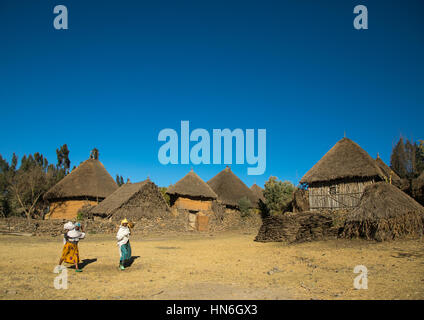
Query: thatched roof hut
[89, 180]
[230, 189]
[258, 192]
[89, 183]
[338, 179]
[384, 213]
[191, 194]
[133, 201]
[192, 186]
[345, 160]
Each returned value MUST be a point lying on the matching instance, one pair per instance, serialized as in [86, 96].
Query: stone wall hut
[337, 181]
[230, 189]
[88, 184]
[133, 201]
[193, 197]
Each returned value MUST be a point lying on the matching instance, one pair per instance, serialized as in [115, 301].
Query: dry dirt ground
[219, 266]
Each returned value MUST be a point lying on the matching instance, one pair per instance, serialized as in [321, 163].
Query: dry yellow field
[219, 266]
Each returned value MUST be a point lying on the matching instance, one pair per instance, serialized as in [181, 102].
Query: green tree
[22, 189]
[419, 156]
[119, 180]
[63, 162]
[407, 159]
[245, 206]
[26, 188]
[165, 195]
[4, 199]
[398, 159]
[278, 194]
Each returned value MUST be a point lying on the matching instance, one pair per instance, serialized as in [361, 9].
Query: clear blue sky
[127, 69]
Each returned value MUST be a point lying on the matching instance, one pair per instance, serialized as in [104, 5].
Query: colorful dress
[70, 252]
[123, 237]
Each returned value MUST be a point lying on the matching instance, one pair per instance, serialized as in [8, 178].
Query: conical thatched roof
[230, 189]
[388, 171]
[385, 212]
[89, 180]
[345, 160]
[191, 185]
[258, 192]
[133, 201]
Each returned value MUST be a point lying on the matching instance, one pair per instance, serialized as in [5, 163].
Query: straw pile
[299, 227]
[384, 213]
[300, 200]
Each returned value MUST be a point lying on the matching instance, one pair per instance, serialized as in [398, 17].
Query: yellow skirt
[70, 253]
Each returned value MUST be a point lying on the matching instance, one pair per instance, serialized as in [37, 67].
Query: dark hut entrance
[197, 220]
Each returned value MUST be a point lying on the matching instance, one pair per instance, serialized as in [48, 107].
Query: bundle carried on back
[384, 213]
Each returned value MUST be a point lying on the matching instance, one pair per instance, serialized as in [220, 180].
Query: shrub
[278, 194]
[244, 206]
[165, 195]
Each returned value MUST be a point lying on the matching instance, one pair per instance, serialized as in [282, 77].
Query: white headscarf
[69, 226]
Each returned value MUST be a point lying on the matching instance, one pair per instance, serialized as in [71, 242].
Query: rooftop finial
[94, 154]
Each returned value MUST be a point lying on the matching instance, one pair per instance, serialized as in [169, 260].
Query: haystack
[300, 201]
[133, 201]
[88, 184]
[258, 192]
[299, 227]
[385, 213]
[337, 181]
[230, 189]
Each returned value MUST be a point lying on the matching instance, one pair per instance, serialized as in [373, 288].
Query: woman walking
[123, 237]
[70, 253]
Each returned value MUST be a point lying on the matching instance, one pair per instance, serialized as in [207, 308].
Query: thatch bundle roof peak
[89, 180]
[345, 160]
[230, 189]
[191, 185]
